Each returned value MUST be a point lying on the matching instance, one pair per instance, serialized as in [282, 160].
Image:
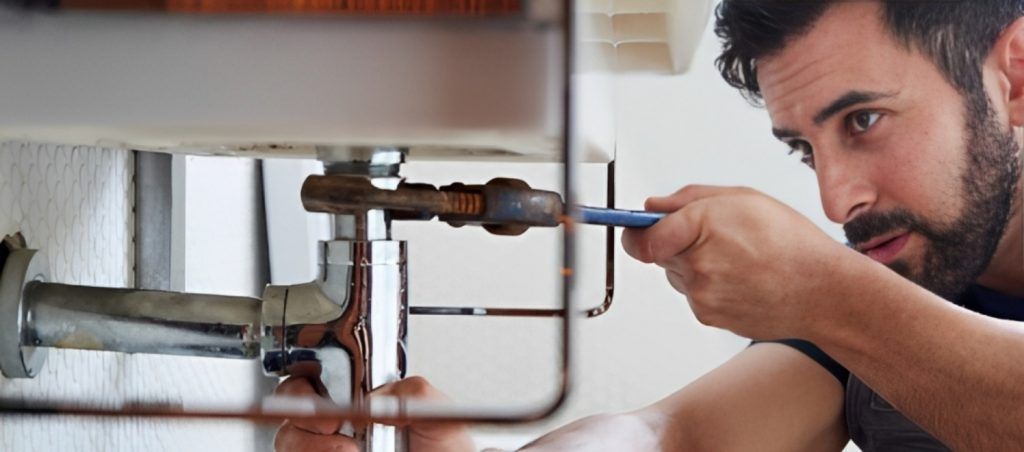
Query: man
[910, 113]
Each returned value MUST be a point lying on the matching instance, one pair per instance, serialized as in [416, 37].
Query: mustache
[873, 224]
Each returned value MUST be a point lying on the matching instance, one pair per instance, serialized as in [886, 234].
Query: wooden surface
[348, 7]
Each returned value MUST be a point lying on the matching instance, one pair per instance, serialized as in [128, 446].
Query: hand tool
[617, 217]
[502, 206]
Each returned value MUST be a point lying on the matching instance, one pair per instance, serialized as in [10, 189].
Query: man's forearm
[627, 431]
[769, 397]
[955, 373]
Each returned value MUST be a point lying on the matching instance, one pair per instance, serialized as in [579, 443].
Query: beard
[956, 254]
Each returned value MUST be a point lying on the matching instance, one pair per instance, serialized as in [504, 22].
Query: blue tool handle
[617, 217]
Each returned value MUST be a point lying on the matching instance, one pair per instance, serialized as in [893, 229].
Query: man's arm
[955, 373]
[769, 397]
[752, 265]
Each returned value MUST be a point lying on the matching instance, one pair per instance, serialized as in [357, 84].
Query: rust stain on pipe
[80, 340]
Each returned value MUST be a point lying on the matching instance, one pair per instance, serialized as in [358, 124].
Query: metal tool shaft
[341, 194]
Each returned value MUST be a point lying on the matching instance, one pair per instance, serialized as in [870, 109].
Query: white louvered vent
[646, 36]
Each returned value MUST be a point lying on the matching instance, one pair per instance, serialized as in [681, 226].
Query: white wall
[218, 246]
[75, 205]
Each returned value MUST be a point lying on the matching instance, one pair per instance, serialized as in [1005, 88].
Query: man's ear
[1009, 55]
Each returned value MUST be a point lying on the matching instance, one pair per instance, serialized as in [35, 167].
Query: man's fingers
[677, 280]
[410, 388]
[296, 387]
[291, 438]
[303, 387]
[429, 435]
[674, 234]
[413, 388]
[684, 196]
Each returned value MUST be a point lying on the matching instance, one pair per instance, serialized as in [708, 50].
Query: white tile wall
[75, 204]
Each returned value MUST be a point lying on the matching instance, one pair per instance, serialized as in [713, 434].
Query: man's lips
[884, 249]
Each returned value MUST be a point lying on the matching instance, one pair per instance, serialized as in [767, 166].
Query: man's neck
[1005, 273]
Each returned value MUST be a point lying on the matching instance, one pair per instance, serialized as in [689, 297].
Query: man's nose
[845, 186]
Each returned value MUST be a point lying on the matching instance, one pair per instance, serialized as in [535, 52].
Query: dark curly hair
[956, 35]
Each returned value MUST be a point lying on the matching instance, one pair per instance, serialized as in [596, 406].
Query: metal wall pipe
[142, 321]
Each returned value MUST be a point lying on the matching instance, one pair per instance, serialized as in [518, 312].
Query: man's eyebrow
[782, 134]
[847, 100]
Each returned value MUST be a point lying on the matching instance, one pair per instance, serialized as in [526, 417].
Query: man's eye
[805, 151]
[859, 122]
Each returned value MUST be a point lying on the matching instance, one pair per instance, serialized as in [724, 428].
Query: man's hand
[313, 436]
[746, 262]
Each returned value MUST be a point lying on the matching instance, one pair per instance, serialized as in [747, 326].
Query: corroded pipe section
[142, 321]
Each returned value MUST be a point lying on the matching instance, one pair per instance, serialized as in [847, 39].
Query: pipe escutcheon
[19, 358]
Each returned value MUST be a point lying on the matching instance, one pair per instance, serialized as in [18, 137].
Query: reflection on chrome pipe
[140, 321]
[368, 225]
[364, 272]
[383, 284]
[348, 325]
[347, 328]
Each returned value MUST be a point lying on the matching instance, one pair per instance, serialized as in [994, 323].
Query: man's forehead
[847, 49]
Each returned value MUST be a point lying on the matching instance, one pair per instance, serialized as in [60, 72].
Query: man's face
[921, 179]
